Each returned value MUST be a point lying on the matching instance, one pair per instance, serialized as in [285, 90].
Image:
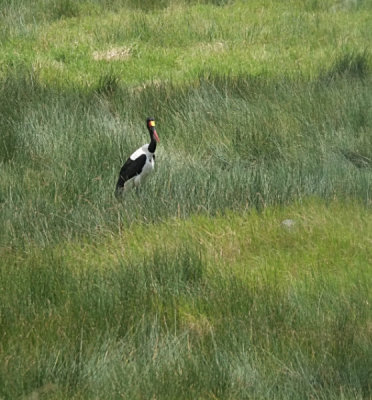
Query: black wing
[130, 169]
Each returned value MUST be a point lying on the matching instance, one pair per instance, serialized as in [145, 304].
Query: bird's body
[136, 168]
[139, 164]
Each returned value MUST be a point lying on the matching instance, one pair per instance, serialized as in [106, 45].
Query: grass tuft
[108, 84]
[351, 64]
[64, 9]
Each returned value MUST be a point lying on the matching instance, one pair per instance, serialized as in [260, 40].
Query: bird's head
[151, 127]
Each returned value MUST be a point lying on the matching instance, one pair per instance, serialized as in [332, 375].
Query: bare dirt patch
[116, 53]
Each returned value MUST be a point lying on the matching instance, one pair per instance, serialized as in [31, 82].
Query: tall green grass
[226, 143]
[190, 287]
[233, 307]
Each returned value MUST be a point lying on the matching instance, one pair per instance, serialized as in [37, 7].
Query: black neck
[152, 145]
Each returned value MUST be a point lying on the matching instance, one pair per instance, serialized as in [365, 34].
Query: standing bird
[140, 163]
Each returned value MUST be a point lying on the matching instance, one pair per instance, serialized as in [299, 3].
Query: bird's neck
[152, 145]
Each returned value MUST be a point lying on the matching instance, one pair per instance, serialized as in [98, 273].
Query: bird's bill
[156, 136]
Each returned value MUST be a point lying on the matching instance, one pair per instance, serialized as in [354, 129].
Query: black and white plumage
[139, 164]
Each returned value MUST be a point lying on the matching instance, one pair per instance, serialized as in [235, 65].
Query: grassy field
[234, 306]
[77, 43]
[190, 288]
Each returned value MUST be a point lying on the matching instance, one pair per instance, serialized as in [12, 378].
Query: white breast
[149, 165]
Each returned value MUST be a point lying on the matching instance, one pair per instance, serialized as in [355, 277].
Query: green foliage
[189, 287]
[226, 143]
[63, 9]
[108, 84]
[75, 43]
[351, 64]
[229, 306]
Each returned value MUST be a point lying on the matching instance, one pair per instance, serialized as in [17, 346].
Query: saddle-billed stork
[139, 164]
